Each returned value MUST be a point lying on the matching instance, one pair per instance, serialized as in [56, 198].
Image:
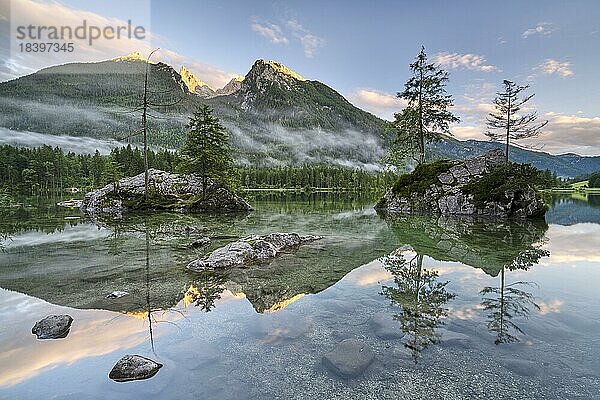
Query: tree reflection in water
[511, 300]
[420, 297]
[206, 289]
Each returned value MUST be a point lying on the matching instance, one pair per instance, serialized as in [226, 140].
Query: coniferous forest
[51, 171]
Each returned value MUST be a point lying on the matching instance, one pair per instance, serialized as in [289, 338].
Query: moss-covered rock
[482, 185]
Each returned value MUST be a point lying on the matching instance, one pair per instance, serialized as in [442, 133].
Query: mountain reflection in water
[516, 298]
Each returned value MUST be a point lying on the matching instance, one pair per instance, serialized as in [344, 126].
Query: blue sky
[362, 49]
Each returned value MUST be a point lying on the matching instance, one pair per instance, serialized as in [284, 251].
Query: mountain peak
[194, 84]
[135, 56]
[276, 67]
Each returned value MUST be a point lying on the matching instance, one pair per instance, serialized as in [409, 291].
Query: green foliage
[426, 117]
[492, 187]
[594, 180]
[421, 178]
[50, 171]
[5, 198]
[308, 177]
[206, 151]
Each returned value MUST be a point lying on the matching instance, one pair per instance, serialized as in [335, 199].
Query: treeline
[314, 176]
[50, 171]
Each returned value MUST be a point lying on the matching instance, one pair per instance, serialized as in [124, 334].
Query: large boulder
[250, 250]
[174, 192]
[53, 327]
[446, 188]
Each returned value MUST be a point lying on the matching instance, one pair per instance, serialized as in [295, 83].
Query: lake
[451, 308]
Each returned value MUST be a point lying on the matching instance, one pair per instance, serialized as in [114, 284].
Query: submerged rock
[251, 249]
[385, 327]
[349, 358]
[70, 203]
[440, 188]
[174, 192]
[203, 241]
[133, 368]
[53, 327]
[117, 294]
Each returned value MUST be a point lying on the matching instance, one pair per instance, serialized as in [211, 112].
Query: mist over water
[79, 145]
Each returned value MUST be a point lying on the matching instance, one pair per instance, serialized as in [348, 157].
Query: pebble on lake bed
[53, 327]
[133, 368]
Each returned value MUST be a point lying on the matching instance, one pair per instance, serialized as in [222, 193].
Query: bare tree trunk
[421, 133]
[501, 331]
[507, 130]
[145, 129]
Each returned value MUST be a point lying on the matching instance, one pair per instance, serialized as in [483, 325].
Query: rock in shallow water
[349, 358]
[172, 192]
[53, 327]
[117, 294]
[203, 241]
[446, 194]
[251, 249]
[133, 368]
[385, 327]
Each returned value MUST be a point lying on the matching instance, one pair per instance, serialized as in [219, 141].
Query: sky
[362, 49]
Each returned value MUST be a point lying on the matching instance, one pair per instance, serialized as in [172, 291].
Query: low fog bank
[79, 145]
[275, 145]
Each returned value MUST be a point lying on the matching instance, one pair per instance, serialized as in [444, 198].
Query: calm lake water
[452, 308]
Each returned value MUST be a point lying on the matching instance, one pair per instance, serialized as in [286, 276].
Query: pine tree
[506, 123]
[426, 117]
[206, 151]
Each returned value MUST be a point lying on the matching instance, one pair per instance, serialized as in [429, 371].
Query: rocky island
[479, 186]
[167, 191]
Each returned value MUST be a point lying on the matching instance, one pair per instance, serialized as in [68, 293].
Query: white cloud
[270, 31]
[382, 104]
[463, 132]
[467, 61]
[550, 67]
[563, 134]
[310, 43]
[26, 12]
[541, 29]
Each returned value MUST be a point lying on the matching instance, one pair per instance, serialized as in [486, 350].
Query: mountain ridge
[274, 115]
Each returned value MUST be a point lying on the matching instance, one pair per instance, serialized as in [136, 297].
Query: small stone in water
[53, 327]
[116, 294]
[134, 367]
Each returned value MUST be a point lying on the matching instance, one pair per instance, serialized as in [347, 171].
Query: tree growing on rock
[506, 123]
[426, 117]
[206, 151]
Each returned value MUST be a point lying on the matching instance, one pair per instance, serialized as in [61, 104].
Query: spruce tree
[506, 123]
[206, 151]
[426, 117]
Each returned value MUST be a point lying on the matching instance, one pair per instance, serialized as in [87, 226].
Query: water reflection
[573, 208]
[495, 246]
[511, 300]
[206, 288]
[421, 298]
[487, 244]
